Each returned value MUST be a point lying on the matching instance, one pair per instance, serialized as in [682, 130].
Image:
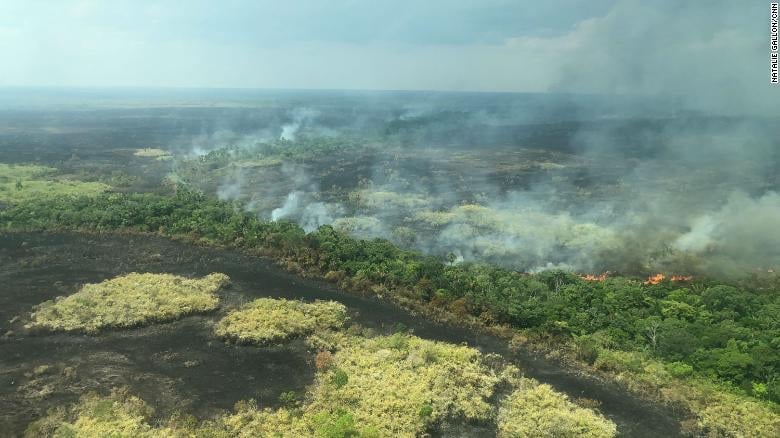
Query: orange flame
[591, 277]
[655, 278]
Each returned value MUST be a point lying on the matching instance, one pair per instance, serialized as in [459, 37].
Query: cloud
[713, 56]
[454, 45]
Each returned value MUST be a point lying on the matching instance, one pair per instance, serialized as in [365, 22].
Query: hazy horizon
[684, 50]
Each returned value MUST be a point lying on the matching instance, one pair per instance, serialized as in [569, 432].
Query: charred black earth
[181, 366]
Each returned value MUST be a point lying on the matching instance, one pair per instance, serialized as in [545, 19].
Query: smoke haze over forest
[658, 118]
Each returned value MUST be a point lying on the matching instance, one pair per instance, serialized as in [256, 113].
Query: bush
[426, 410]
[339, 378]
[618, 361]
[323, 360]
[371, 391]
[679, 369]
[773, 390]
[586, 348]
[340, 425]
[288, 398]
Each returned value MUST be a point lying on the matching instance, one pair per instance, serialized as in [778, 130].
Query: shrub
[288, 398]
[773, 390]
[339, 378]
[759, 389]
[586, 348]
[613, 360]
[323, 360]
[728, 415]
[679, 369]
[340, 425]
[426, 410]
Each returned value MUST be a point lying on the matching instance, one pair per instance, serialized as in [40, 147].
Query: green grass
[19, 183]
[12, 172]
[129, 300]
[267, 320]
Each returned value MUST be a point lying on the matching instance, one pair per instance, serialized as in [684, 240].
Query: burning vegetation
[592, 277]
[659, 277]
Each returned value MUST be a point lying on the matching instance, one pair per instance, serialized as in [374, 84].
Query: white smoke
[700, 237]
[202, 144]
[301, 204]
[309, 215]
[232, 187]
[289, 130]
[290, 207]
[742, 235]
[300, 116]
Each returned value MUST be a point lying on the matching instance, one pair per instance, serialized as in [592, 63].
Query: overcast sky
[497, 45]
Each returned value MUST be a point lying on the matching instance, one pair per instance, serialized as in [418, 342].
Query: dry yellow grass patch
[159, 154]
[129, 300]
[268, 320]
[537, 410]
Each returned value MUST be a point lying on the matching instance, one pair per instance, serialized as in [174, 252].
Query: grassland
[267, 320]
[127, 301]
[19, 183]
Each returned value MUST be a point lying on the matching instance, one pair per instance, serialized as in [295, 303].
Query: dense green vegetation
[719, 333]
[267, 320]
[129, 300]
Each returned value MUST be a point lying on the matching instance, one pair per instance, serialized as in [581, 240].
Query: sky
[686, 47]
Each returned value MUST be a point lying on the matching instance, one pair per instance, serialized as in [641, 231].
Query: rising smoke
[299, 117]
[670, 166]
